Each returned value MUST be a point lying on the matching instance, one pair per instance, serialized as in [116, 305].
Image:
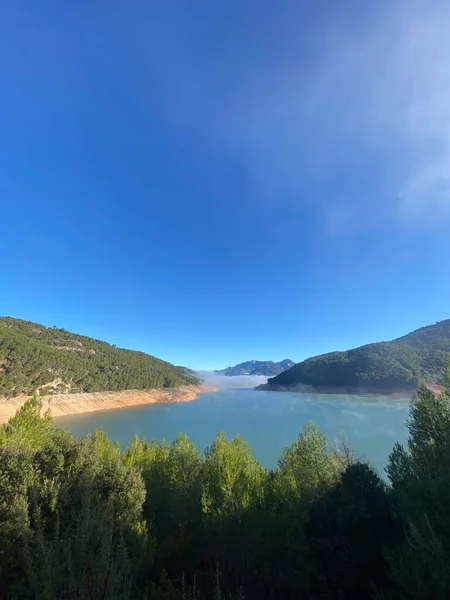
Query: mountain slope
[34, 357]
[398, 365]
[258, 367]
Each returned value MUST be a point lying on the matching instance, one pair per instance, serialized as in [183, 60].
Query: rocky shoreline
[70, 404]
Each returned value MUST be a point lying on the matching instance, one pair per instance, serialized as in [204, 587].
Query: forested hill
[51, 360]
[257, 367]
[398, 365]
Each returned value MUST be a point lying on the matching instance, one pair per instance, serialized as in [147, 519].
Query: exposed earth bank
[69, 404]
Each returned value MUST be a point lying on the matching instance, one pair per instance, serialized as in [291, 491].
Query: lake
[269, 421]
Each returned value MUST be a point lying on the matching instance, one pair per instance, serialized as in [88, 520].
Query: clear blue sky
[215, 182]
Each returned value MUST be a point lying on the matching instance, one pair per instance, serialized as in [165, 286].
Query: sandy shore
[71, 404]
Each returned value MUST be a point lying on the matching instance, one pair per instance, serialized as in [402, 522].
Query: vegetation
[386, 366]
[258, 367]
[51, 360]
[79, 519]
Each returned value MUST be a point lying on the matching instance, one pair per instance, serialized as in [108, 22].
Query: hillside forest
[399, 365]
[52, 360]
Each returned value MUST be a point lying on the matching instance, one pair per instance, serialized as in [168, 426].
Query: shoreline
[62, 405]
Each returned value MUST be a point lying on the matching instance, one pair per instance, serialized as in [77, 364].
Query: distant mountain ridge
[266, 368]
[51, 360]
[396, 366]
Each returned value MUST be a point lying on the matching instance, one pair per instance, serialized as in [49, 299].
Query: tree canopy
[79, 518]
[82, 519]
[50, 360]
[399, 365]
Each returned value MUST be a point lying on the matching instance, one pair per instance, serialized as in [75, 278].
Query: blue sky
[216, 182]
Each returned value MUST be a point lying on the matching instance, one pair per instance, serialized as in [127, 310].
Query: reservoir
[268, 421]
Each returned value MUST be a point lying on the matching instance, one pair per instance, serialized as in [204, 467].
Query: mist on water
[224, 382]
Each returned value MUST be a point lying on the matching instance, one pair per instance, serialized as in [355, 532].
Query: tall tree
[420, 476]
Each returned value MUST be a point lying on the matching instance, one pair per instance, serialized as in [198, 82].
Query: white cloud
[424, 57]
[296, 120]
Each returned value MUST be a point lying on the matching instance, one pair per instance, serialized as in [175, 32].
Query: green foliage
[347, 530]
[71, 515]
[420, 477]
[309, 466]
[232, 477]
[384, 366]
[81, 519]
[33, 357]
[28, 427]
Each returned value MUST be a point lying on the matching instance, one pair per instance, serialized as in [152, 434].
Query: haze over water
[269, 421]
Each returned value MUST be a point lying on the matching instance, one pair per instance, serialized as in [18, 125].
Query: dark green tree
[420, 477]
[70, 515]
[348, 530]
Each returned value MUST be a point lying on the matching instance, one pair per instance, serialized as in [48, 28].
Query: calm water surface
[269, 421]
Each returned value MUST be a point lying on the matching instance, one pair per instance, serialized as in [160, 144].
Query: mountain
[258, 367]
[393, 366]
[51, 360]
[188, 372]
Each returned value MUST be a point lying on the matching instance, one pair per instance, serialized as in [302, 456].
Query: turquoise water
[269, 421]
